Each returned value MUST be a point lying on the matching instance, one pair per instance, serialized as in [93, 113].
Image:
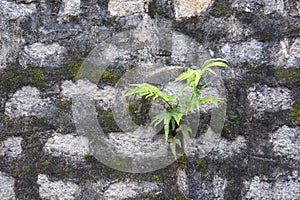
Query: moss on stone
[224, 168]
[219, 9]
[87, 157]
[16, 171]
[265, 36]
[74, 68]
[153, 10]
[233, 117]
[26, 168]
[155, 178]
[72, 17]
[201, 165]
[107, 122]
[64, 105]
[13, 20]
[295, 114]
[39, 77]
[14, 78]
[290, 75]
[111, 75]
[110, 21]
[132, 109]
[182, 161]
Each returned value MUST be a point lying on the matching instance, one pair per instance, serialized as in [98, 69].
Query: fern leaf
[213, 100]
[185, 131]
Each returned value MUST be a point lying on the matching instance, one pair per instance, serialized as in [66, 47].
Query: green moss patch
[219, 9]
[201, 165]
[296, 112]
[289, 75]
[153, 10]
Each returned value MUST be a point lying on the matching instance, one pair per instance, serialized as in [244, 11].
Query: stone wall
[44, 44]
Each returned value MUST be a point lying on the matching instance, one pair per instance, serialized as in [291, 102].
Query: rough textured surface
[264, 98]
[188, 8]
[286, 142]
[11, 10]
[70, 9]
[226, 148]
[57, 189]
[28, 102]
[288, 55]
[211, 190]
[127, 7]
[39, 54]
[67, 145]
[251, 52]
[104, 97]
[11, 147]
[283, 188]
[124, 190]
[7, 187]
[45, 43]
[266, 6]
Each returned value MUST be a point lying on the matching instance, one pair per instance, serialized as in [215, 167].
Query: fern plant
[177, 108]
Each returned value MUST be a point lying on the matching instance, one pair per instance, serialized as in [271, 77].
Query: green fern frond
[148, 91]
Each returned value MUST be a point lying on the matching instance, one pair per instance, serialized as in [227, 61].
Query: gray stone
[219, 185]
[187, 50]
[207, 190]
[250, 52]
[274, 6]
[7, 186]
[70, 8]
[41, 55]
[11, 10]
[10, 45]
[11, 40]
[70, 146]
[61, 190]
[28, 102]
[126, 7]
[286, 142]
[201, 146]
[189, 8]
[288, 55]
[182, 181]
[226, 149]
[126, 190]
[264, 98]
[283, 188]
[265, 6]
[11, 147]
[92, 190]
[103, 97]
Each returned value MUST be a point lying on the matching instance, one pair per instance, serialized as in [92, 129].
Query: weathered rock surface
[41, 55]
[246, 52]
[265, 6]
[127, 7]
[286, 142]
[288, 56]
[188, 8]
[123, 190]
[264, 98]
[11, 147]
[57, 189]
[71, 146]
[7, 186]
[28, 102]
[104, 97]
[249, 151]
[225, 148]
[285, 187]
